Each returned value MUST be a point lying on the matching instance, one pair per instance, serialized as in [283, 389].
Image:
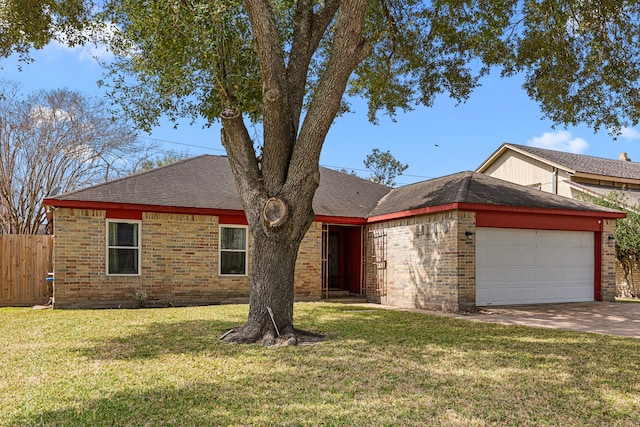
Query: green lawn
[379, 368]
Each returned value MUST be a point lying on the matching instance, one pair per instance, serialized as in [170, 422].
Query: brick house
[178, 233]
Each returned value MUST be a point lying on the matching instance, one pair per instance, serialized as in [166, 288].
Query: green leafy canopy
[31, 24]
[580, 58]
[627, 229]
[384, 167]
[195, 57]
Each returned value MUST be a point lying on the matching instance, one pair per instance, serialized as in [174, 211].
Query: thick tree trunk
[272, 292]
[271, 298]
[277, 186]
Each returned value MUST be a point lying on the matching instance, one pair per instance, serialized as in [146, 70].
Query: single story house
[178, 233]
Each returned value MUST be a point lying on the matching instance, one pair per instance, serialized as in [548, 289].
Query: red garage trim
[537, 221]
[533, 210]
[597, 266]
[502, 216]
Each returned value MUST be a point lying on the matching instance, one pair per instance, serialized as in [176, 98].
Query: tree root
[289, 336]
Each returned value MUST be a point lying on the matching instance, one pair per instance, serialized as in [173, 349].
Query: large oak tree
[287, 64]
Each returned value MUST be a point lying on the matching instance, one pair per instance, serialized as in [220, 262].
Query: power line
[183, 144]
[338, 168]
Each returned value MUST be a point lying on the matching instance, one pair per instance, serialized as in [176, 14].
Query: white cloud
[43, 116]
[629, 133]
[91, 51]
[82, 53]
[81, 152]
[561, 141]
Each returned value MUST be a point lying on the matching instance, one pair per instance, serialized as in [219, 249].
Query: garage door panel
[533, 266]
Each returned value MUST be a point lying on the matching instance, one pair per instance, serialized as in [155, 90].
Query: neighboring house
[566, 174]
[570, 175]
[178, 233]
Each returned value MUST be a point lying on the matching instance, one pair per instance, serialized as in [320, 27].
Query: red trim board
[123, 214]
[486, 215]
[597, 266]
[129, 211]
[537, 221]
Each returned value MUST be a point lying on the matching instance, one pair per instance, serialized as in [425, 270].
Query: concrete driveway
[622, 319]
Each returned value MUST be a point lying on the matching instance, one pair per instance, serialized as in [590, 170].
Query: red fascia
[134, 211]
[226, 216]
[486, 215]
[340, 220]
[517, 217]
[413, 212]
[518, 209]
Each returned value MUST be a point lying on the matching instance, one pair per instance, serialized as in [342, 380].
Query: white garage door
[533, 266]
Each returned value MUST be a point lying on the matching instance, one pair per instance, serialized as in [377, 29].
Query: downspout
[554, 181]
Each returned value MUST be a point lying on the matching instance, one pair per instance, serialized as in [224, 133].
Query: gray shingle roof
[477, 188]
[341, 194]
[198, 182]
[586, 164]
[206, 182]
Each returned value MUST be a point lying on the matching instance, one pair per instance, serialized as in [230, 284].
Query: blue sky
[436, 141]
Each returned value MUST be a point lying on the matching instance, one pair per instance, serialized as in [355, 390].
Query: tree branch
[309, 29]
[348, 50]
[242, 159]
[279, 130]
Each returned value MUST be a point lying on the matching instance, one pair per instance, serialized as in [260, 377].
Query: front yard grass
[166, 367]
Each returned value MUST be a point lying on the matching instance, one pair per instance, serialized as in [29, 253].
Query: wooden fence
[25, 261]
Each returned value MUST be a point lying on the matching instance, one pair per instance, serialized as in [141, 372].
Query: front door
[342, 247]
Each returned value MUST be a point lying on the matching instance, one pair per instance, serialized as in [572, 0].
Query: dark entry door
[343, 259]
[335, 275]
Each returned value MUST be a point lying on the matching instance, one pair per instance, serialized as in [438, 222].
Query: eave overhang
[609, 178]
[516, 216]
[486, 215]
[227, 216]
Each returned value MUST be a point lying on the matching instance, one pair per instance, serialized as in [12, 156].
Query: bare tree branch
[55, 139]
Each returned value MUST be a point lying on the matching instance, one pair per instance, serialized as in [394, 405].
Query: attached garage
[469, 240]
[515, 266]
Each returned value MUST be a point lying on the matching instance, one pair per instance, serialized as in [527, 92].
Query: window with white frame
[233, 250]
[123, 247]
